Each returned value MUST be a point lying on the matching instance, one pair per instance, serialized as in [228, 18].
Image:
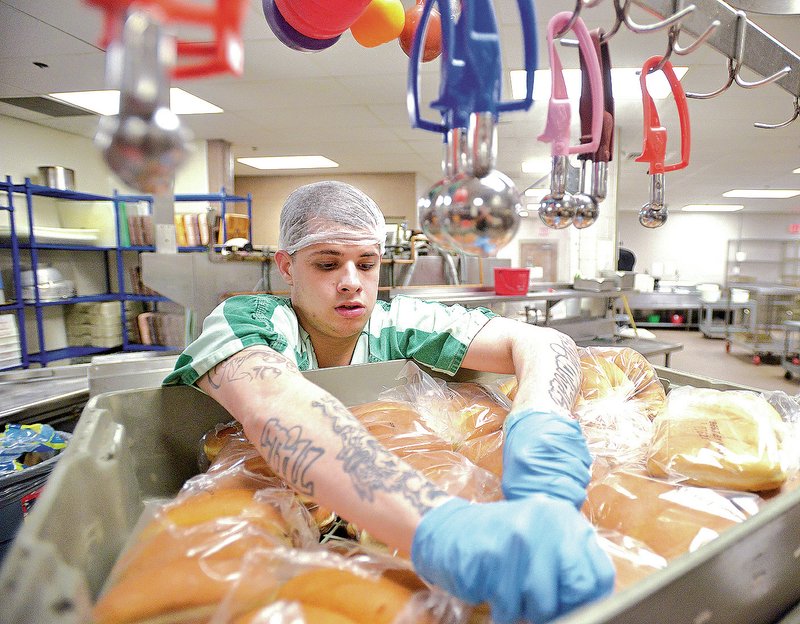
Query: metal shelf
[44, 357]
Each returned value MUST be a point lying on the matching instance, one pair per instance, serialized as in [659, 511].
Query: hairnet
[330, 212]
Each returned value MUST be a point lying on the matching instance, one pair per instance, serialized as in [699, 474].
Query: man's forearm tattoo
[289, 454]
[370, 466]
[567, 377]
[248, 366]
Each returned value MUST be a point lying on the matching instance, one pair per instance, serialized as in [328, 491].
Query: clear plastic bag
[731, 439]
[670, 518]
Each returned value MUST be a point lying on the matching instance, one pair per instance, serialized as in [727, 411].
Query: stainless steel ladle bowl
[145, 143]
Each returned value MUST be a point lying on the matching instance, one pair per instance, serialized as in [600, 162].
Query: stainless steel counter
[54, 395]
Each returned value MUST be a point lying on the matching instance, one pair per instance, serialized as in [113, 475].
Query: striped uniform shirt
[428, 332]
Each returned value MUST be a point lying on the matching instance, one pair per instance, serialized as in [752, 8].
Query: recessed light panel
[288, 162]
[762, 193]
[712, 207]
[107, 102]
[624, 83]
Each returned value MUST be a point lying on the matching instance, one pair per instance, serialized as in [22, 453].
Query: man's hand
[533, 559]
[545, 453]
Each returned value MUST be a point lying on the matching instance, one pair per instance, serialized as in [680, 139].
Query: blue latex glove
[546, 453]
[533, 559]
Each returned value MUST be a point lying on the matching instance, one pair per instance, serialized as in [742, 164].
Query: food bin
[18, 493]
[134, 445]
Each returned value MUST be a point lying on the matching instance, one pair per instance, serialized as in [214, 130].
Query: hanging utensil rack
[762, 54]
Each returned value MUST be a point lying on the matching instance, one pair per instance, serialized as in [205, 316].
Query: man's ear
[284, 262]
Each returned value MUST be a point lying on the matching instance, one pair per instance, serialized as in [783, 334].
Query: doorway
[540, 254]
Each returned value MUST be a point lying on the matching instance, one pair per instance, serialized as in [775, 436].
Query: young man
[532, 556]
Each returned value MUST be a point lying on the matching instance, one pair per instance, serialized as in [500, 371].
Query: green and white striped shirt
[428, 332]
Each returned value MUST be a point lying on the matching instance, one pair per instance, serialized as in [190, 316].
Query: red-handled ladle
[557, 209]
[654, 213]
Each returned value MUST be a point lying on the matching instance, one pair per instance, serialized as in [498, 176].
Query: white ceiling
[348, 103]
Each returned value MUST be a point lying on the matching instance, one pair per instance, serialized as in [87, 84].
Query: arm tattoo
[567, 377]
[289, 454]
[370, 466]
[255, 365]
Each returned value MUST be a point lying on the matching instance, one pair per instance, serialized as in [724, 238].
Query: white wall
[696, 244]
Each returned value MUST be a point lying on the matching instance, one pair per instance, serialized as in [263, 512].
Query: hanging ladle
[145, 143]
[478, 209]
[654, 213]
[557, 209]
[428, 207]
[594, 167]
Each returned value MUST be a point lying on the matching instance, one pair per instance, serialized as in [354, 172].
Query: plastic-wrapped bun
[670, 519]
[620, 374]
[632, 559]
[728, 439]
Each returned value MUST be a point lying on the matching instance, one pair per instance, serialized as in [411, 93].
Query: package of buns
[341, 584]
[730, 439]
[669, 518]
[633, 560]
[186, 554]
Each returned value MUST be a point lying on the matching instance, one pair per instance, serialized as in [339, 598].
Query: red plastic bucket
[508, 281]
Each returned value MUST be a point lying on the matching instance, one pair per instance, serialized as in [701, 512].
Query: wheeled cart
[735, 318]
[134, 445]
[791, 349]
[764, 337]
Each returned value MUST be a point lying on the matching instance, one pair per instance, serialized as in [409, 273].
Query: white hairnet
[330, 212]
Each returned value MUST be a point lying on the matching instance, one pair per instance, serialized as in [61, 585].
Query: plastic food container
[508, 281]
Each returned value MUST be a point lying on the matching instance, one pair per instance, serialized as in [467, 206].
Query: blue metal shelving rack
[222, 198]
[18, 306]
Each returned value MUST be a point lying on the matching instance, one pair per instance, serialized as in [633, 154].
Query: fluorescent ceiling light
[536, 194]
[538, 165]
[796, 170]
[712, 207]
[624, 83]
[762, 193]
[107, 102]
[288, 162]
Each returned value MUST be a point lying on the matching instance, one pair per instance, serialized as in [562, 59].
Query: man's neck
[333, 351]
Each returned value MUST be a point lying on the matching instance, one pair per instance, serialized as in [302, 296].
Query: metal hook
[722, 89]
[785, 123]
[575, 14]
[648, 28]
[604, 36]
[741, 31]
[674, 34]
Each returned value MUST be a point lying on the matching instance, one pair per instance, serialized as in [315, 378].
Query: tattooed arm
[544, 360]
[312, 440]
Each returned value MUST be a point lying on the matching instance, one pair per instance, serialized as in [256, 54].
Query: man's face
[333, 287]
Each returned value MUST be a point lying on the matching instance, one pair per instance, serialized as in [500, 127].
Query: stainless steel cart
[765, 335]
[791, 349]
[735, 318]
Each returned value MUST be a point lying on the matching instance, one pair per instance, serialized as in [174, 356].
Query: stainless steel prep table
[55, 396]
[594, 328]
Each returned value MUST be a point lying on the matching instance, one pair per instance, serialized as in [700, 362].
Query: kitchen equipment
[594, 168]
[654, 213]
[478, 212]
[58, 177]
[145, 144]
[508, 281]
[309, 25]
[557, 209]
[481, 209]
[430, 210]
[218, 45]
